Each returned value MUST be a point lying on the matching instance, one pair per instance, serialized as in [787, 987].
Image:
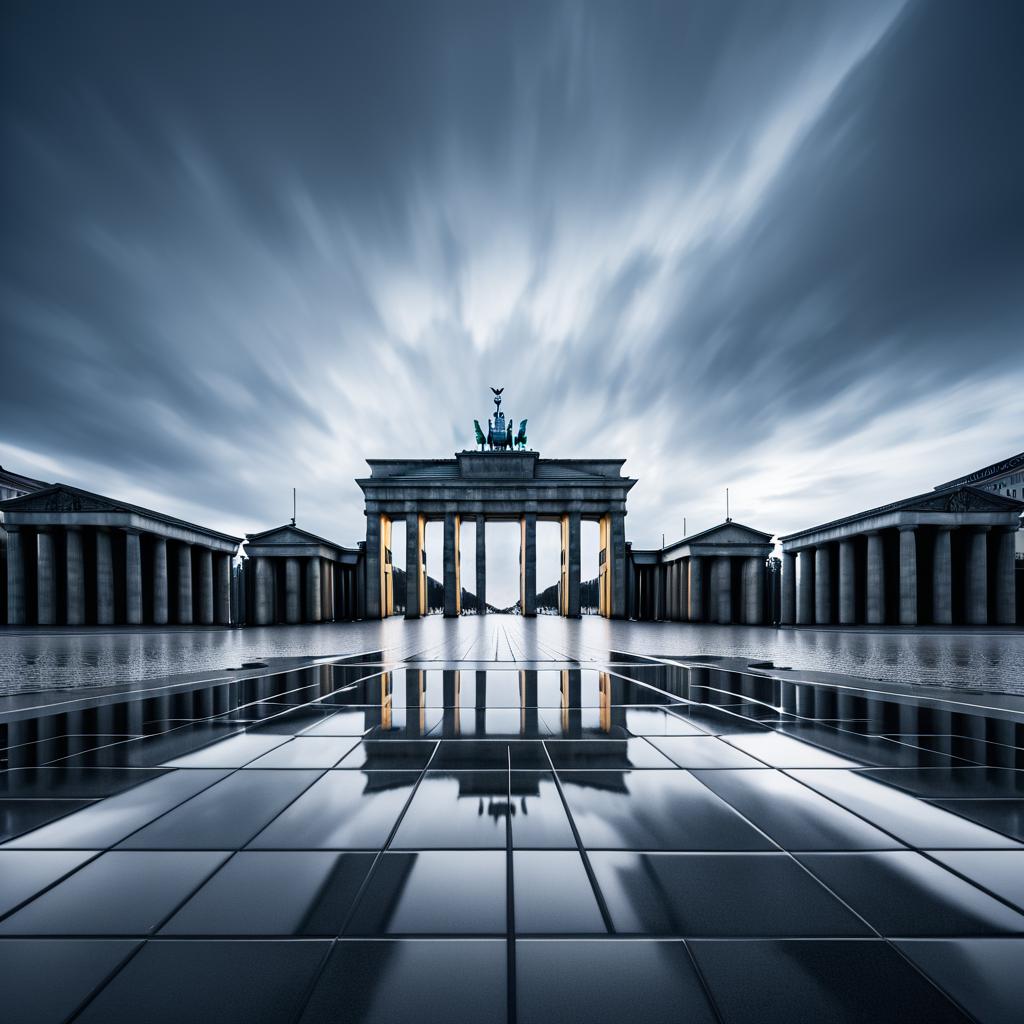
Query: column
[373, 566]
[160, 581]
[329, 609]
[695, 597]
[413, 559]
[184, 604]
[753, 591]
[46, 578]
[942, 578]
[875, 580]
[206, 586]
[481, 566]
[847, 582]
[722, 582]
[788, 612]
[314, 605]
[805, 588]
[822, 585]
[104, 578]
[15, 577]
[133, 578]
[976, 576]
[452, 580]
[75, 570]
[292, 592]
[908, 576]
[528, 564]
[617, 541]
[222, 591]
[263, 612]
[1006, 596]
[573, 561]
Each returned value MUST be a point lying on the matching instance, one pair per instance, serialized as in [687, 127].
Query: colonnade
[108, 575]
[293, 589]
[908, 575]
[703, 588]
[612, 561]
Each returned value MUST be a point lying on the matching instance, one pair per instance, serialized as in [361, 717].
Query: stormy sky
[777, 247]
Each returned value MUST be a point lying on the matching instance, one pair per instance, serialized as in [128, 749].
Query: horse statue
[480, 439]
[521, 436]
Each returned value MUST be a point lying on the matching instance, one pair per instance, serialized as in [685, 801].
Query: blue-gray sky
[772, 246]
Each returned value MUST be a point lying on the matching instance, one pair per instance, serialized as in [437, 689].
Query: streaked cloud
[776, 247]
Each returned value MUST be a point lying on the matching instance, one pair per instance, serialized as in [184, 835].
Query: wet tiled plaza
[534, 838]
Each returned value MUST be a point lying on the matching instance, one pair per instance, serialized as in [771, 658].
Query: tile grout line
[361, 891]
[510, 901]
[602, 906]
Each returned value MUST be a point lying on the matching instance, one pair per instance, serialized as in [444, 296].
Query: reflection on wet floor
[635, 841]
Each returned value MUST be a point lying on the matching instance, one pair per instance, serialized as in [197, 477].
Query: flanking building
[718, 575]
[943, 557]
[290, 575]
[76, 558]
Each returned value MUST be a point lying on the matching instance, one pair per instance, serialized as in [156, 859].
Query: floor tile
[703, 752]
[20, 816]
[712, 895]
[346, 722]
[456, 810]
[1005, 816]
[307, 752]
[792, 814]
[227, 815]
[654, 810]
[119, 893]
[437, 892]
[811, 981]
[983, 975]
[343, 810]
[233, 752]
[538, 814]
[109, 821]
[389, 755]
[607, 981]
[635, 752]
[528, 754]
[400, 982]
[275, 893]
[28, 968]
[782, 751]
[553, 894]
[242, 982]
[915, 822]
[71, 783]
[471, 754]
[999, 871]
[657, 721]
[23, 873]
[953, 783]
[902, 893]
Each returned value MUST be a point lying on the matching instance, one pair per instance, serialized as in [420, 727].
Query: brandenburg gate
[501, 484]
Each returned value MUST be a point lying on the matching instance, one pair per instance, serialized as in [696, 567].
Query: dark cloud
[772, 245]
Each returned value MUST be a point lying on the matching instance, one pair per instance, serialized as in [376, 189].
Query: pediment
[731, 533]
[963, 499]
[61, 498]
[289, 536]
